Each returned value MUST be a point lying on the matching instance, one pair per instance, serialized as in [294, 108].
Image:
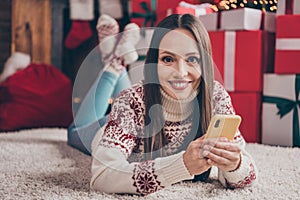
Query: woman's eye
[193, 60]
[167, 59]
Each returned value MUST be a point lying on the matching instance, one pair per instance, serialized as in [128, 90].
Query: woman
[154, 136]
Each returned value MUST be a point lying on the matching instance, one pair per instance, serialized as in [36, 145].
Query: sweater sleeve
[246, 174]
[111, 170]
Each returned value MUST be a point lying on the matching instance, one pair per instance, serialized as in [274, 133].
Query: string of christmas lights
[264, 5]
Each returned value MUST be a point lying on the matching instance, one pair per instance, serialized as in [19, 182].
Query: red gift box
[242, 57]
[150, 12]
[287, 44]
[194, 9]
[182, 10]
[248, 106]
[193, 1]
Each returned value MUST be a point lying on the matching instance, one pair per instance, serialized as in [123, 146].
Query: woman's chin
[182, 94]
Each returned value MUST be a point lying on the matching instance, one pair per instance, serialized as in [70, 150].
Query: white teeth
[179, 85]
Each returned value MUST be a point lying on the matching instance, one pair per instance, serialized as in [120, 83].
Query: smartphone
[223, 126]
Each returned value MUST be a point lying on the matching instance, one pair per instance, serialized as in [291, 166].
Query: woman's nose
[182, 68]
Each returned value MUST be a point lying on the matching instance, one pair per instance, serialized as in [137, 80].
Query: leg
[81, 138]
[95, 103]
[90, 116]
[123, 83]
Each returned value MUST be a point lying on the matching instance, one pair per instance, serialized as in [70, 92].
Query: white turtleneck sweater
[117, 149]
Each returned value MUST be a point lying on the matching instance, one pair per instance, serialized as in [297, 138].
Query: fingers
[228, 146]
[223, 143]
[198, 143]
[221, 153]
[192, 158]
[196, 148]
[225, 150]
[224, 164]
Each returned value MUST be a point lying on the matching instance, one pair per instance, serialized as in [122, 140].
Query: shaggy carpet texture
[38, 164]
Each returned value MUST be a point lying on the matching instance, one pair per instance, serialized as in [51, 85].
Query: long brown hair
[154, 139]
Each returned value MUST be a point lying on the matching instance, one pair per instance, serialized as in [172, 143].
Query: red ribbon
[289, 5]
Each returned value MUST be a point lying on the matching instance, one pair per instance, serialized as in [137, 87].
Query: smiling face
[179, 69]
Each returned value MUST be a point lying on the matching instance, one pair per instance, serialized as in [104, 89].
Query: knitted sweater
[117, 149]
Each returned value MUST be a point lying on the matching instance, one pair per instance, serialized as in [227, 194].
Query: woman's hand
[193, 159]
[222, 153]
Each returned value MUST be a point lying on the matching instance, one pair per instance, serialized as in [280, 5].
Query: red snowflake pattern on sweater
[239, 138]
[145, 179]
[116, 138]
[221, 101]
[246, 181]
[125, 123]
[176, 134]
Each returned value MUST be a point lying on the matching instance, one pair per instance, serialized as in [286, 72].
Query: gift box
[248, 106]
[210, 21]
[287, 44]
[280, 109]
[148, 13]
[194, 9]
[193, 1]
[208, 17]
[241, 19]
[182, 10]
[241, 58]
[288, 7]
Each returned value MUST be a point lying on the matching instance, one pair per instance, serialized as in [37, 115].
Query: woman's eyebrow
[188, 54]
[192, 54]
[168, 52]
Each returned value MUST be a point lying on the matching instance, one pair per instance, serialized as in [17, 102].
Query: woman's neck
[176, 109]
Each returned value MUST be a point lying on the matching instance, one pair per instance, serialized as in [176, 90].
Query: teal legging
[91, 113]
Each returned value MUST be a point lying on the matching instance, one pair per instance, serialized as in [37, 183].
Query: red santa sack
[38, 96]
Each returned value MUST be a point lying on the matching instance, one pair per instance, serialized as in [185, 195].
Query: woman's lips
[179, 85]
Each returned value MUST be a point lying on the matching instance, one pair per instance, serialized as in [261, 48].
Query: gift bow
[150, 15]
[285, 106]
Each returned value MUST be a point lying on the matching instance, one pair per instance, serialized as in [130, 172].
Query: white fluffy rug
[38, 164]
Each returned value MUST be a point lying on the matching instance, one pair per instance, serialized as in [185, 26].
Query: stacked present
[280, 121]
[264, 89]
[242, 53]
